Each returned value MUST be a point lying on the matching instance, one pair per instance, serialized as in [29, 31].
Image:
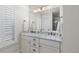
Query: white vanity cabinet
[35, 42]
[36, 45]
[48, 46]
[25, 44]
[48, 49]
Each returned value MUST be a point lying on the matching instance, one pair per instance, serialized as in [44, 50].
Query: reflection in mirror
[35, 19]
[55, 18]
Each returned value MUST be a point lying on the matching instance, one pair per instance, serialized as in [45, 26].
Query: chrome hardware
[34, 39]
[34, 44]
[34, 50]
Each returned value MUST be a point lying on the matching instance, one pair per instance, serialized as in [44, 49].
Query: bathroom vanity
[44, 34]
[39, 43]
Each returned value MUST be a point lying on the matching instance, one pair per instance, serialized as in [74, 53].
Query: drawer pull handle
[34, 39]
[34, 50]
[34, 44]
[40, 46]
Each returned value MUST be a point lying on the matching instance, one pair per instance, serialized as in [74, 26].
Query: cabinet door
[47, 49]
[49, 43]
[25, 45]
[48, 46]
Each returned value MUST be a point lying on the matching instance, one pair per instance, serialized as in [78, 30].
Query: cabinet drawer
[33, 39]
[49, 43]
[34, 44]
[26, 38]
[34, 50]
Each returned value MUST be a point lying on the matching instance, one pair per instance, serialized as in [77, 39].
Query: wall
[22, 13]
[71, 28]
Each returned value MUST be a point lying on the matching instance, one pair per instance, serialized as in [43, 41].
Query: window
[7, 23]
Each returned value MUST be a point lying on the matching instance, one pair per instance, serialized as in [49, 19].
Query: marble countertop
[43, 36]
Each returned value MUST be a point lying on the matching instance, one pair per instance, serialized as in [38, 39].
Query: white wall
[71, 29]
[22, 14]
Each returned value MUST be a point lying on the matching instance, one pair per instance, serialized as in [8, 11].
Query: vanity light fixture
[42, 9]
[46, 8]
[37, 10]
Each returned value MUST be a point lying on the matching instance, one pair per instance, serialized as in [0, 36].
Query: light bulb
[37, 10]
[44, 8]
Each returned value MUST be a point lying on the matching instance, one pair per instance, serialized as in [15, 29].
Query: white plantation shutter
[7, 23]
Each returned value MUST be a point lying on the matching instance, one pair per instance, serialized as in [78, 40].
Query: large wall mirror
[44, 18]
